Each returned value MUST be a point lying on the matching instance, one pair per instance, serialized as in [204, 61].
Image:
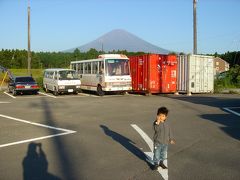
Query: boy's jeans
[160, 152]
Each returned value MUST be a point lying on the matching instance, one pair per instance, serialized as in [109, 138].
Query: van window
[50, 75]
[67, 75]
[56, 75]
[45, 74]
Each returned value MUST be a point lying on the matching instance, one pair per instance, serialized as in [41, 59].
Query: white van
[61, 81]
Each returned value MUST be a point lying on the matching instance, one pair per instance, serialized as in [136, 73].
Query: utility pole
[29, 41]
[194, 26]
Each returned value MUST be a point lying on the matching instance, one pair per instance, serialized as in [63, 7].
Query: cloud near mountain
[121, 40]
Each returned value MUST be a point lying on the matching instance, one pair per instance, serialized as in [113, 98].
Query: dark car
[23, 84]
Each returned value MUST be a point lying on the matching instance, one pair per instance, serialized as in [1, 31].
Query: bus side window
[101, 67]
[81, 68]
[94, 67]
[85, 68]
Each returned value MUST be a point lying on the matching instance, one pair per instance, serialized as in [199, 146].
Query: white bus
[110, 72]
[61, 81]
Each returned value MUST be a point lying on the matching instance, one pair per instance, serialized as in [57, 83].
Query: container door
[139, 77]
[182, 73]
[134, 72]
[154, 70]
[201, 74]
[171, 73]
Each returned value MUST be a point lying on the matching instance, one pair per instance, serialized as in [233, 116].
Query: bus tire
[100, 92]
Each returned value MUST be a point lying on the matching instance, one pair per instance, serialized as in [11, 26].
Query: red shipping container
[153, 73]
[168, 74]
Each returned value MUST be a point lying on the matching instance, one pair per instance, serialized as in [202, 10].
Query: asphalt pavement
[89, 137]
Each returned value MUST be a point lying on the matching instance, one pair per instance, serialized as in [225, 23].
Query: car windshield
[117, 67]
[67, 75]
[24, 79]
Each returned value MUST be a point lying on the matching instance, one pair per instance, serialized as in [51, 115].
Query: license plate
[70, 90]
[27, 87]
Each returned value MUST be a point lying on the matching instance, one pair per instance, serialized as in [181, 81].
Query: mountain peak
[119, 39]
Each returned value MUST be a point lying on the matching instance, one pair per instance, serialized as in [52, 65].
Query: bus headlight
[78, 86]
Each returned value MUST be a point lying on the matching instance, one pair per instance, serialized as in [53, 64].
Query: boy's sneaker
[162, 165]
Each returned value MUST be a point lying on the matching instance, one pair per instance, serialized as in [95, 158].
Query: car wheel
[9, 89]
[14, 92]
[100, 92]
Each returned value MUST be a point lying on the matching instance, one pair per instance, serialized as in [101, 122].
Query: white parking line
[9, 95]
[234, 112]
[65, 131]
[47, 95]
[163, 172]
[144, 136]
[83, 94]
[1, 102]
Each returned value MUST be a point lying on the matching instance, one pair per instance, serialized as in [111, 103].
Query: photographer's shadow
[35, 164]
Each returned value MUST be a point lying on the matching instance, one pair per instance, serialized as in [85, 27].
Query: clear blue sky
[58, 25]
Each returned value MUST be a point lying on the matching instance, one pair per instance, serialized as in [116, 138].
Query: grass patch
[37, 74]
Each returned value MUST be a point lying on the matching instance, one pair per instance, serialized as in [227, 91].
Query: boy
[162, 137]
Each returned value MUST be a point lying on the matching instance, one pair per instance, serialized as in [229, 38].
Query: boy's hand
[172, 142]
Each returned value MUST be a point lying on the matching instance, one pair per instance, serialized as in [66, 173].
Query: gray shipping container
[195, 74]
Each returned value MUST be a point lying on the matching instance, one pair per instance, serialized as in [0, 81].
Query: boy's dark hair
[162, 110]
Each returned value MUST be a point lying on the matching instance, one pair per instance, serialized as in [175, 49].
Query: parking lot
[85, 136]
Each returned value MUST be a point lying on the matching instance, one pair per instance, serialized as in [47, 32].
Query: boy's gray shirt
[162, 133]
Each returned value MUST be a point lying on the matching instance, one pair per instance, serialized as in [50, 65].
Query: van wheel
[45, 88]
[100, 92]
[55, 92]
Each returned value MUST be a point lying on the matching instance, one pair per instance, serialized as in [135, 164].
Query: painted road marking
[9, 95]
[229, 110]
[163, 172]
[144, 136]
[4, 102]
[83, 94]
[65, 131]
[47, 95]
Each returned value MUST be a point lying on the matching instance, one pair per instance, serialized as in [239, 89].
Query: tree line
[17, 59]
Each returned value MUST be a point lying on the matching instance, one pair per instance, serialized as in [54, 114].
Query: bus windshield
[117, 67]
[67, 75]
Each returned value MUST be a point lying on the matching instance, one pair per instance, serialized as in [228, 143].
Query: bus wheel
[55, 92]
[100, 91]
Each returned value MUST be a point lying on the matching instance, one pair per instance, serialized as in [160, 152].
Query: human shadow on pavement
[60, 145]
[231, 123]
[35, 164]
[126, 143]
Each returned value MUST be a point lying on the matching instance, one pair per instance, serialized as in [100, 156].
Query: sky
[57, 25]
